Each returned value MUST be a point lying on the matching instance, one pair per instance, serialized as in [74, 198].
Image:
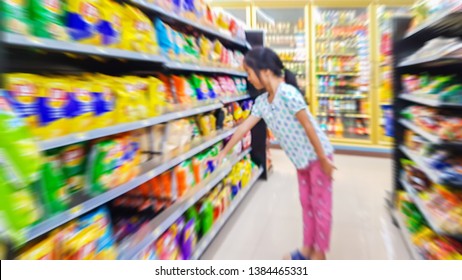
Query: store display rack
[406, 44]
[172, 17]
[432, 221]
[428, 102]
[149, 170]
[406, 236]
[208, 238]
[134, 245]
[13, 45]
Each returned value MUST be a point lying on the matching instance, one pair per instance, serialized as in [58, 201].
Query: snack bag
[216, 87]
[138, 90]
[104, 101]
[141, 32]
[164, 37]
[205, 48]
[188, 239]
[14, 15]
[210, 87]
[184, 177]
[170, 98]
[22, 91]
[81, 106]
[191, 50]
[53, 183]
[83, 19]
[189, 9]
[73, 165]
[48, 19]
[53, 108]
[20, 163]
[157, 97]
[41, 251]
[105, 159]
[200, 86]
[184, 91]
[111, 26]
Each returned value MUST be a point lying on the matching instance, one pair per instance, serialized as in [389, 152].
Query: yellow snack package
[111, 27]
[84, 19]
[138, 90]
[157, 97]
[140, 32]
[41, 251]
[54, 112]
[81, 105]
[22, 91]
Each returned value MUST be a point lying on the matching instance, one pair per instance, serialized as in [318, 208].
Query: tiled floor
[268, 224]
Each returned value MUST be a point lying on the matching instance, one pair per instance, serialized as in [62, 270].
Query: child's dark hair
[261, 58]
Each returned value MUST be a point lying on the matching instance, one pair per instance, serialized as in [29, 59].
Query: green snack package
[53, 184]
[18, 147]
[73, 160]
[102, 166]
[206, 216]
[200, 86]
[20, 163]
[191, 214]
[14, 15]
[48, 19]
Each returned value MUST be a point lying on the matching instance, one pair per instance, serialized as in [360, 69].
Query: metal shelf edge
[427, 101]
[432, 175]
[207, 240]
[75, 47]
[161, 223]
[432, 138]
[174, 65]
[101, 132]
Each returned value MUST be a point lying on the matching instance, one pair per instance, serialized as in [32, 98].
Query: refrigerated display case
[343, 72]
[286, 33]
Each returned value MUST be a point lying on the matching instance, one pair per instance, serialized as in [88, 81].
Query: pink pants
[316, 198]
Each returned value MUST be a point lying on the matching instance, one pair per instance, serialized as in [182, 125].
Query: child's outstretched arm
[327, 165]
[242, 129]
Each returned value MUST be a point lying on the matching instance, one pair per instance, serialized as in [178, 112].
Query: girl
[285, 112]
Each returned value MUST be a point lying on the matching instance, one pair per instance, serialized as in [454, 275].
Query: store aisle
[268, 223]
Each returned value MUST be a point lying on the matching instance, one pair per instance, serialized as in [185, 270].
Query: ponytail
[291, 79]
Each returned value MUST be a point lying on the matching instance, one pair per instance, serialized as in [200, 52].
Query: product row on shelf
[56, 106]
[428, 98]
[111, 23]
[127, 34]
[63, 183]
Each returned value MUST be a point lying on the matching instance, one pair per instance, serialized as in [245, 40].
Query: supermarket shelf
[434, 23]
[428, 101]
[171, 16]
[356, 96]
[231, 99]
[432, 174]
[145, 237]
[78, 48]
[413, 250]
[434, 139]
[101, 132]
[208, 238]
[149, 170]
[423, 209]
[173, 65]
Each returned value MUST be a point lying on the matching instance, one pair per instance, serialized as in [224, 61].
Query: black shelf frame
[405, 44]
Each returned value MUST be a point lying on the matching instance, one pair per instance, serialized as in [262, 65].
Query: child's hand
[220, 158]
[328, 167]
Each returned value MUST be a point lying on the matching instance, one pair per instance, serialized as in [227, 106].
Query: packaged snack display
[48, 19]
[184, 177]
[15, 17]
[73, 160]
[81, 107]
[53, 183]
[164, 37]
[22, 92]
[82, 20]
[104, 100]
[53, 110]
[139, 32]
